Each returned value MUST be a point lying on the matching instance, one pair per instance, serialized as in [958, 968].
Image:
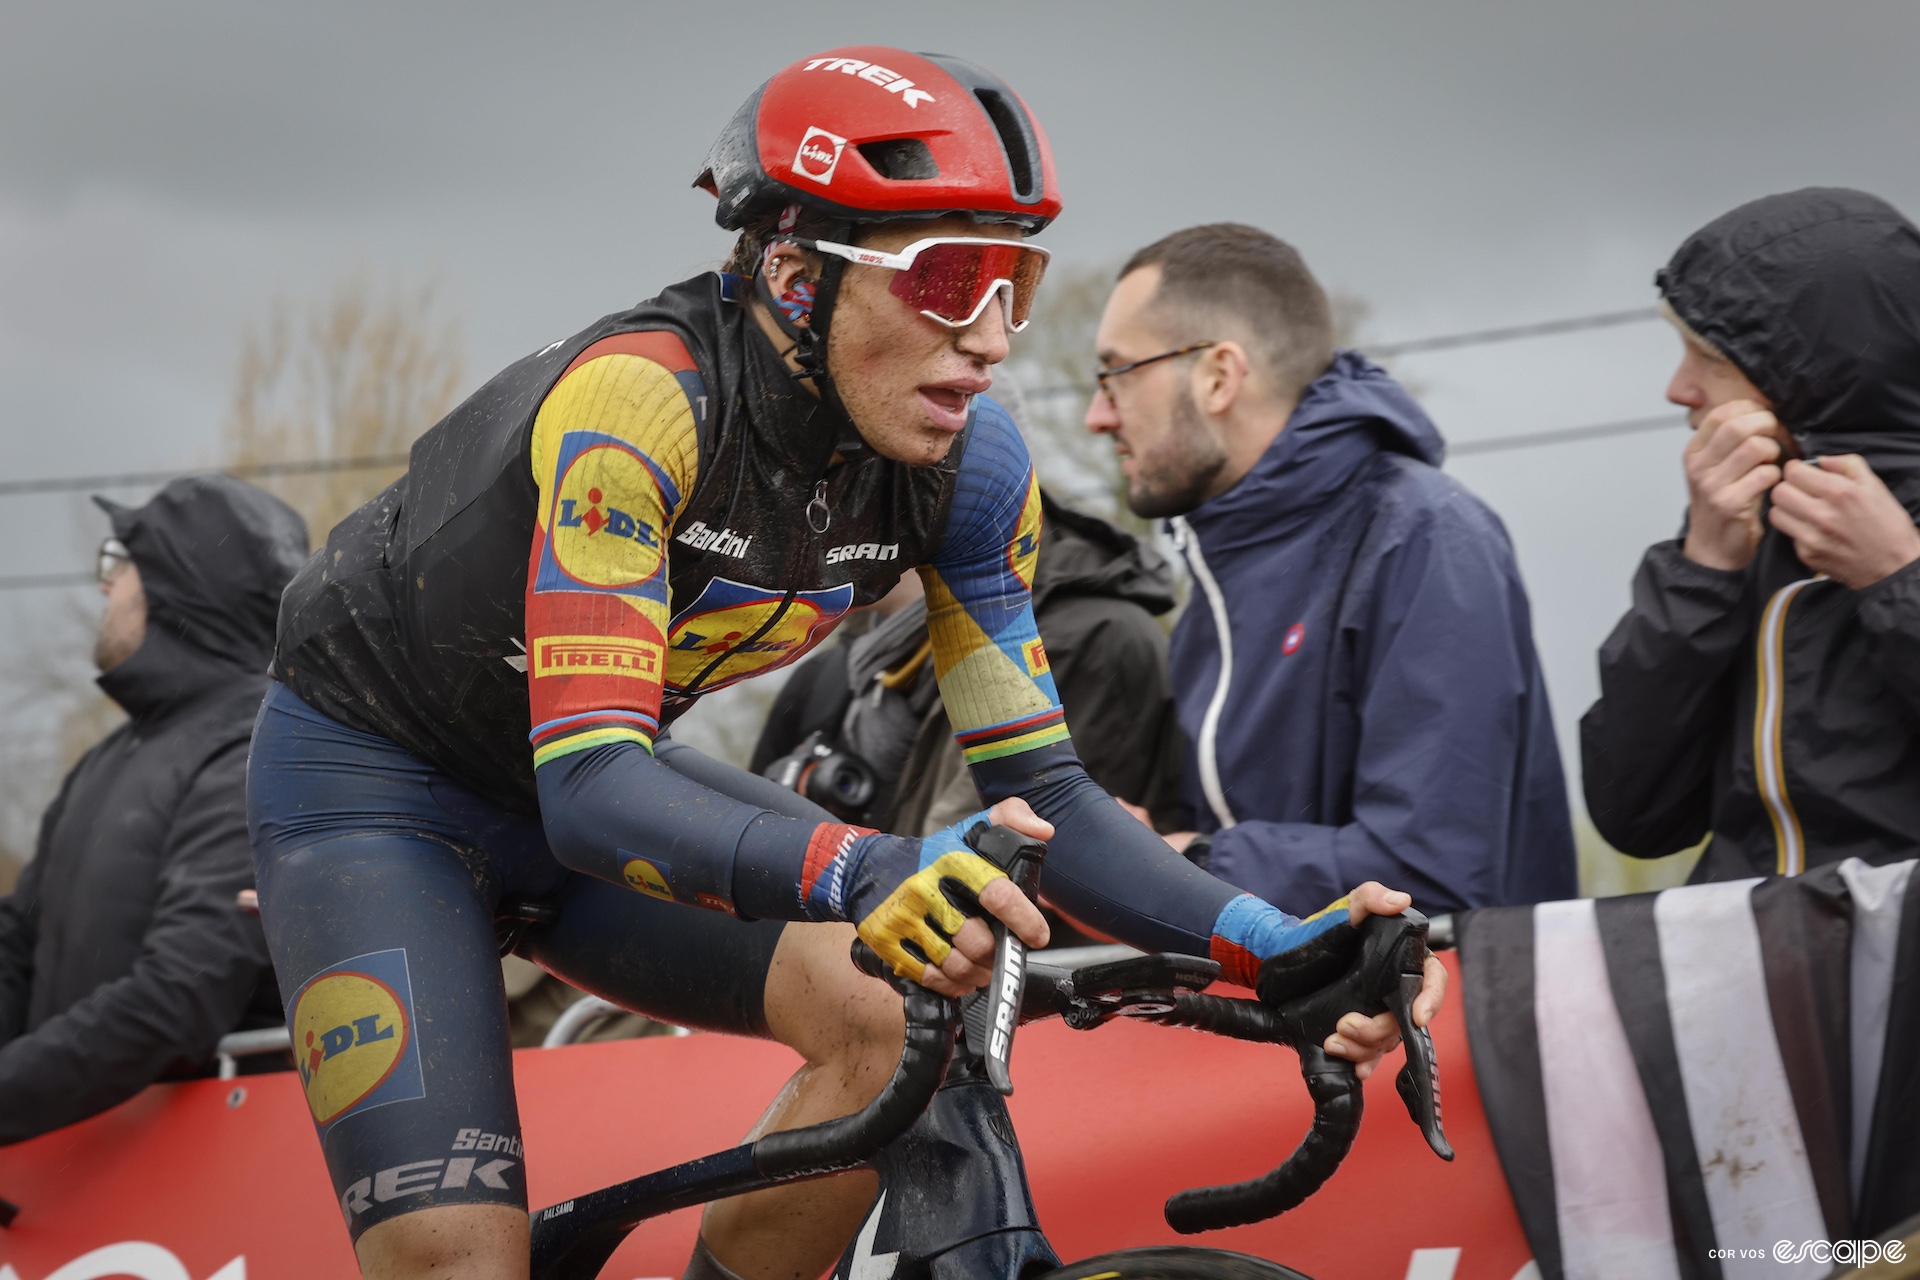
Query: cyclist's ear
[790, 275]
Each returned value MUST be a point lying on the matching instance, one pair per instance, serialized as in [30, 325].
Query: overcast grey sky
[166, 170]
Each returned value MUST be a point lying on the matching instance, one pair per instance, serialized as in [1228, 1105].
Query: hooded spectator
[123, 954]
[1765, 686]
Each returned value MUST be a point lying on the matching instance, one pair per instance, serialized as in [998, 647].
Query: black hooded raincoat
[123, 956]
[1772, 707]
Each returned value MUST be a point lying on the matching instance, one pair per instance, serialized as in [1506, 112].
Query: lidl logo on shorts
[1035, 654]
[734, 631]
[353, 1036]
[602, 525]
[646, 875]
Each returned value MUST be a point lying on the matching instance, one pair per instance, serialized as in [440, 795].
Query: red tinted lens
[950, 280]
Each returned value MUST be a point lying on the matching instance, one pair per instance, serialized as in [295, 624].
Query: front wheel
[1176, 1262]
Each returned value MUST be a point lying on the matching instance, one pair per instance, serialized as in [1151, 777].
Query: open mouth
[946, 406]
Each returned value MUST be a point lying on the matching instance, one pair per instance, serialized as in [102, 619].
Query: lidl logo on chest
[863, 551]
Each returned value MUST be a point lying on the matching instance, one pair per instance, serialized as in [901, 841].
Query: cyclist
[473, 679]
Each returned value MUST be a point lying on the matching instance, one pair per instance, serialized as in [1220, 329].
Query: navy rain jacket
[1377, 712]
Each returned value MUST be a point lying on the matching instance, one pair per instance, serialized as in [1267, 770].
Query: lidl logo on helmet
[353, 1038]
[873, 73]
[819, 155]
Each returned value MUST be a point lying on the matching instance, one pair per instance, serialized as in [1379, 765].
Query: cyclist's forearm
[1102, 866]
[617, 813]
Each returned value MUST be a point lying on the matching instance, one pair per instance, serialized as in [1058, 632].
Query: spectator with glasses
[123, 954]
[1356, 671]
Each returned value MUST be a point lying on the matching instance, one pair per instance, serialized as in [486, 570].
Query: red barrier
[223, 1181]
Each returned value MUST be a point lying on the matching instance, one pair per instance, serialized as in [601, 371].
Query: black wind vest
[410, 623]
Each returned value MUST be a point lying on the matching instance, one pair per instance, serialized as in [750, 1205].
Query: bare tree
[1051, 372]
[359, 374]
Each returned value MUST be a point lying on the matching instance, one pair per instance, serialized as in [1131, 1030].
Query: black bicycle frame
[953, 1199]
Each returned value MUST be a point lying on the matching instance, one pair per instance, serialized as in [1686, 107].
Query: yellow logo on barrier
[350, 1031]
[596, 656]
[596, 540]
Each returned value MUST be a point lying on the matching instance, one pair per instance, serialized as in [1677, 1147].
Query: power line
[320, 466]
[1565, 435]
[1444, 341]
[1467, 448]
[27, 581]
[1512, 333]
[245, 471]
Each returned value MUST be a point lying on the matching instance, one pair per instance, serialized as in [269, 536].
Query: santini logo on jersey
[872, 73]
[720, 542]
[863, 551]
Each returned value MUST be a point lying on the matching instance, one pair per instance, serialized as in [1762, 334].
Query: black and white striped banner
[1677, 1082]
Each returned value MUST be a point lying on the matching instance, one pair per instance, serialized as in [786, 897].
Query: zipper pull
[821, 522]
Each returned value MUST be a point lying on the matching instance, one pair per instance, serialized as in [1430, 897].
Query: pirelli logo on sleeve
[597, 655]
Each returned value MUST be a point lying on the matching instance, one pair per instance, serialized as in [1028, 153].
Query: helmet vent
[901, 159]
[1010, 123]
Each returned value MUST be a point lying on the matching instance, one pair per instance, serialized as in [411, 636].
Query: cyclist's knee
[823, 1008]
[477, 1241]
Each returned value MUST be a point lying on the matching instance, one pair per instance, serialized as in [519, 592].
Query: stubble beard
[1174, 478]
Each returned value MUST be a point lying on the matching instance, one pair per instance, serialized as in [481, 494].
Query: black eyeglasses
[1102, 376]
[113, 554]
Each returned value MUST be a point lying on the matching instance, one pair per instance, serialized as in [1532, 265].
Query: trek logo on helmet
[819, 155]
[873, 73]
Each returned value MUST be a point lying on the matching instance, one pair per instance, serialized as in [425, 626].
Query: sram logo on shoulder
[873, 73]
[819, 155]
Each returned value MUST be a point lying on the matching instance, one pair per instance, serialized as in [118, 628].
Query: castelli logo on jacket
[819, 155]
[872, 73]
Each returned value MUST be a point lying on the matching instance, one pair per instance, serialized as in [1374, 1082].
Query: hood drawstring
[1189, 546]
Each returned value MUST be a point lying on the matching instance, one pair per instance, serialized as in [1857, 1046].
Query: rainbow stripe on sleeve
[1040, 730]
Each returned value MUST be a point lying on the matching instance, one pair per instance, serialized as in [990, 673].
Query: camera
[838, 781]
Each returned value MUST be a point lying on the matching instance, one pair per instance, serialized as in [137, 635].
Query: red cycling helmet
[873, 134]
